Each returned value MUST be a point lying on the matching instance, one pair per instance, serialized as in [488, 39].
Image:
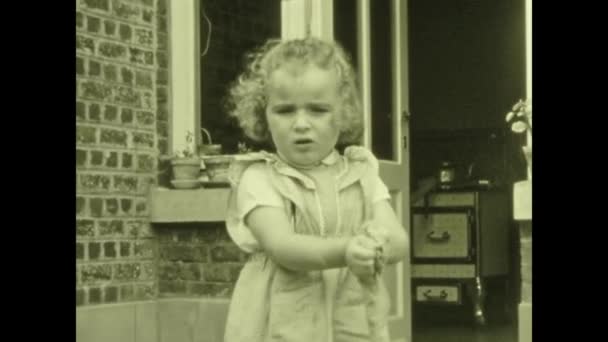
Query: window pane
[236, 28]
[382, 78]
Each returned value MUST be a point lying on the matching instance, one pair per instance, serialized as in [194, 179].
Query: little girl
[316, 223]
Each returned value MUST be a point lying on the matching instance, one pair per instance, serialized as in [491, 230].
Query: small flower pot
[186, 168]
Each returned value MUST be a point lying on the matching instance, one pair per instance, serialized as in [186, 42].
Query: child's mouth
[302, 142]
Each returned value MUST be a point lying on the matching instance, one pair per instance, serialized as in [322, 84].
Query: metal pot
[447, 173]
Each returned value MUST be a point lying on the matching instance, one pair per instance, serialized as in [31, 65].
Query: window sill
[197, 205]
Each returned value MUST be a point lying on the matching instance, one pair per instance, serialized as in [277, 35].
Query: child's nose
[301, 121]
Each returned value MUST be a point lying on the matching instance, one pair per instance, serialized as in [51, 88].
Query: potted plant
[186, 166]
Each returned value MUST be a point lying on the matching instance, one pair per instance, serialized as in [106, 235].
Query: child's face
[302, 105]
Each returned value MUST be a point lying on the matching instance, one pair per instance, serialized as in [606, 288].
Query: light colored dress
[272, 303]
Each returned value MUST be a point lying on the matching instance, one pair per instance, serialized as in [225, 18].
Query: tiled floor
[465, 333]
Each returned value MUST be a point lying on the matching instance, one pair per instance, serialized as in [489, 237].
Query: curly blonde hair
[247, 96]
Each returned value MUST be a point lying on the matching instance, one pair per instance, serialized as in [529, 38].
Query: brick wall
[526, 261]
[121, 117]
[197, 260]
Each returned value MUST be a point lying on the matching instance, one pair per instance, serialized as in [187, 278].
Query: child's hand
[360, 253]
[377, 232]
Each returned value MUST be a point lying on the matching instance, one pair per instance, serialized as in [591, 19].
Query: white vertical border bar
[529, 59]
[293, 19]
[322, 21]
[363, 18]
[184, 62]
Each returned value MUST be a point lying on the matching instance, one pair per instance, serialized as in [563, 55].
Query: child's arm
[397, 241]
[272, 229]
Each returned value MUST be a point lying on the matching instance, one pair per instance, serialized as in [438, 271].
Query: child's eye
[317, 109]
[283, 109]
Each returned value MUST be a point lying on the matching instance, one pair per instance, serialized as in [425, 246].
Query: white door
[383, 66]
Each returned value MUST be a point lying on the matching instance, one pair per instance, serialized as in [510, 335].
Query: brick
[145, 163]
[85, 44]
[162, 23]
[94, 250]
[84, 228]
[161, 7]
[85, 135]
[81, 110]
[112, 206]
[126, 116]
[95, 295]
[95, 182]
[162, 59]
[141, 208]
[126, 205]
[162, 129]
[147, 15]
[190, 271]
[81, 203]
[79, 251]
[125, 32]
[125, 11]
[172, 286]
[147, 101]
[168, 271]
[145, 291]
[162, 110]
[110, 73]
[143, 249]
[127, 292]
[112, 50]
[127, 271]
[207, 235]
[163, 146]
[148, 271]
[218, 273]
[94, 273]
[79, 20]
[127, 160]
[80, 297]
[93, 24]
[144, 37]
[110, 113]
[144, 79]
[143, 139]
[125, 183]
[112, 160]
[125, 249]
[162, 43]
[94, 68]
[109, 27]
[111, 294]
[79, 66]
[96, 158]
[111, 228]
[103, 5]
[94, 112]
[96, 207]
[138, 56]
[81, 158]
[113, 137]
[109, 249]
[138, 228]
[178, 252]
[162, 77]
[225, 253]
[145, 118]
[128, 96]
[95, 91]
